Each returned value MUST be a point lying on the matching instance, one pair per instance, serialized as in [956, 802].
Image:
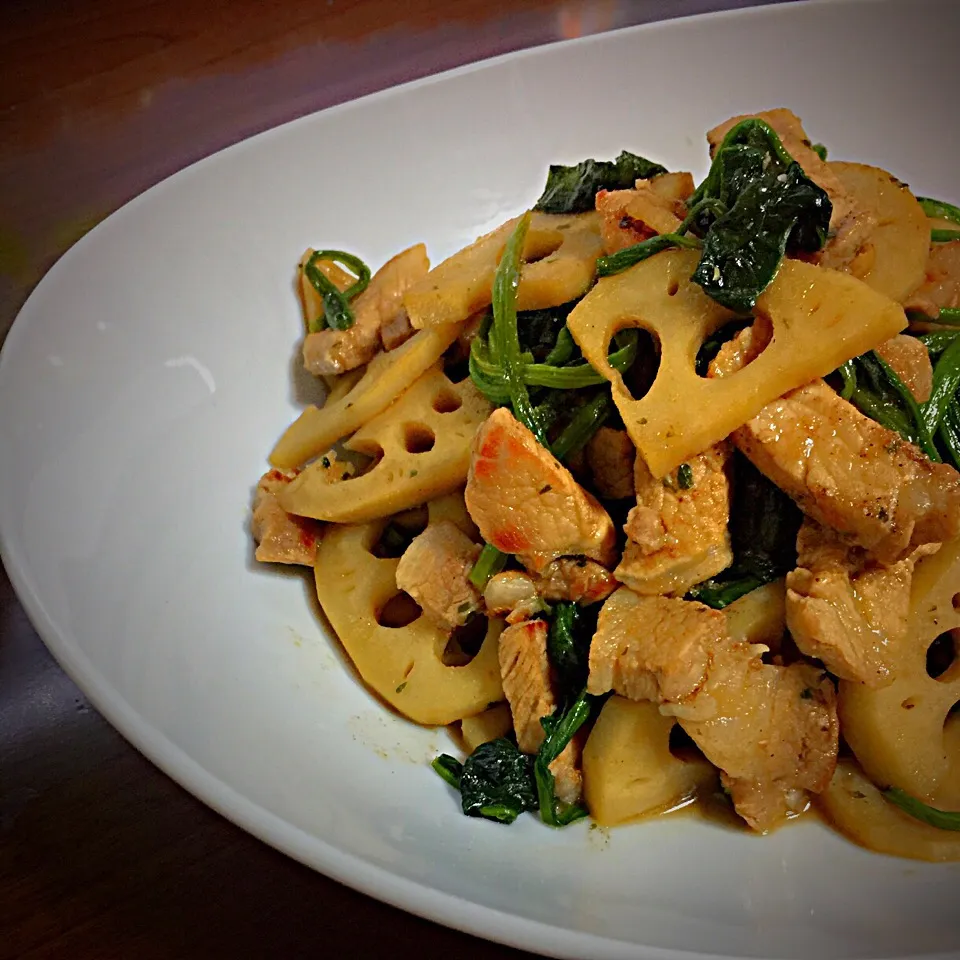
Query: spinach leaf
[574, 189]
[496, 781]
[763, 523]
[559, 730]
[568, 646]
[943, 393]
[771, 207]
[876, 390]
[820, 150]
[941, 819]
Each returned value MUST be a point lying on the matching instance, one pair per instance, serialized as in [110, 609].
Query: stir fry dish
[652, 493]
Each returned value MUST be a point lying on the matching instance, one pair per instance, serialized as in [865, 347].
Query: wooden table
[101, 855]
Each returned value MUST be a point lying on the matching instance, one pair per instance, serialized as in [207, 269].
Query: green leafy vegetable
[622, 259]
[820, 150]
[490, 378]
[568, 646]
[449, 768]
[490, 562]
[949, 434]
[574, 189]
[685, 476]
[559, 732]
[771, 207]
[763, 522]
[944, 236]
[588, 419]
[336, 305]
[943, 393]
[940, 209]
[874, 387]
[941, 819]
[495, 782]
[503, 332]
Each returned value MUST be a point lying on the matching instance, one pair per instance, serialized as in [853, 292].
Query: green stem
[944, 236]
[504, 330]
[939, 209]
[584, 424]
[490, 562]
[946, 378]
[941, 819]
[629, 256]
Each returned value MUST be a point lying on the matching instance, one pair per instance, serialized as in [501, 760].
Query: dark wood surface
[101, 855]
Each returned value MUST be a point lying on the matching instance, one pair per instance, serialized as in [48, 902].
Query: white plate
[150, 372]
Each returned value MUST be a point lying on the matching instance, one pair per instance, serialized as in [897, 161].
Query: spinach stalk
[337, 313]
[941, 819]
[629, 256]
[946, 379]
[559, 732]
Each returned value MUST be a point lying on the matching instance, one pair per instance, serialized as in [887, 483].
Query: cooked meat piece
[654, 648]
[772, 730]
[435, 569]
[910, 360]
[846, 471]
[845, 219]
[677, 533]
[396, 331]
[610, 455]
[941, 287]
[577, 579]
[742, 349]
[631, 216]
[846, 609]
[334, 351]
[774, 733]
[512, 593]
[527, 503]
[281, 537]
[528, 687]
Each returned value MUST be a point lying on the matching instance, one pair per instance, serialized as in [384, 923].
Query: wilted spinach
[568, 646]
[875, 389]
[496, 781]
[763, 527]
[941, 819]
[771, 207]
[574, 189]
[559, 730]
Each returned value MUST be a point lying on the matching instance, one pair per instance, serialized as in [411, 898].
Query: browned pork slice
[336, 351]
[654, 648]
[910, 360]
[610, 455]
[774, 733]
[941, 285]
[653, 206]
[845, 608]
[848, 472]
[677, 534]
[577, 579]
[513, 595]
[528, 687]
[772, 730]
[525, 502]
[281, 537]
[435, 569]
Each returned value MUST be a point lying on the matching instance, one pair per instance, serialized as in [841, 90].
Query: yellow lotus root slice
[386, 377]
[897, 731]
[564, 248]
[628, 769]
[859, 810]
[423, 443]
[892, 257]
[820, 319]
[404, 665]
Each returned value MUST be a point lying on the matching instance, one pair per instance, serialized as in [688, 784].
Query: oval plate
[153, 368]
